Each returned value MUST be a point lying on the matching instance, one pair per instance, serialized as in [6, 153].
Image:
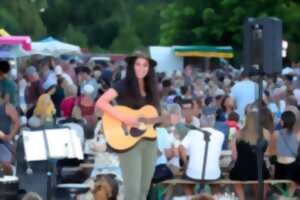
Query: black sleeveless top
[125, 99]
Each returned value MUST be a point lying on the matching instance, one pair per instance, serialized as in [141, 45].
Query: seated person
[234, 129]
[167, 151]
[189, 116]
[32, 196]
[287, 144]
[166, 163]
[193, 146]
[106, 188]
[203, 197]
[233, 122]
[164, 153]
[221, 125]
[190, 111]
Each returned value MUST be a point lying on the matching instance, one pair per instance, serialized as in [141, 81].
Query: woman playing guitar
[138, 89]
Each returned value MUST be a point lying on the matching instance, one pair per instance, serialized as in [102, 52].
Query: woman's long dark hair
[223, 107]
[150, 85]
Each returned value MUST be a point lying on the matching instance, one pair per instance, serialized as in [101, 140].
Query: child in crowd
[106, 188]
[234, 129]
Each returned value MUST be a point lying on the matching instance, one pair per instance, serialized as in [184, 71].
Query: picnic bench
[162, 187]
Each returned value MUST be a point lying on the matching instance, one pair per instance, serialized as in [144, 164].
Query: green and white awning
[204, 51]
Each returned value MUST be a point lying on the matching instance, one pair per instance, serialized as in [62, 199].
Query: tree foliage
[220, 22]
[121, 26]
[75, 36]
[22, 17]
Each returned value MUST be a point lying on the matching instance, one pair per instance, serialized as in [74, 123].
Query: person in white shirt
[59, 72]
[296, 90]
[164, 152]
[167, 163]
[193, 145]
[244, 92]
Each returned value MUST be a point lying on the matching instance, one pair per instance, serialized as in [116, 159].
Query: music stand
[51, 145]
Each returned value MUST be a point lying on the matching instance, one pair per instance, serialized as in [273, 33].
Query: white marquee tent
[51, 46]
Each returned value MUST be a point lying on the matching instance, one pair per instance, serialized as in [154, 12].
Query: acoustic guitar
[121, 137]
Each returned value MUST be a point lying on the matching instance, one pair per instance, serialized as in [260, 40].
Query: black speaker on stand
[263, 44]
[263, 51]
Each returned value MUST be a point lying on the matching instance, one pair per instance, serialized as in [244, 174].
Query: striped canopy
[204, 51]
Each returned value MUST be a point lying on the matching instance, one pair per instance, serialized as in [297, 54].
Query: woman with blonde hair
[245, 168]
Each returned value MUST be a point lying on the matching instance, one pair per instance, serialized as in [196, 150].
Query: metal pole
[257, 60]
[260, 143]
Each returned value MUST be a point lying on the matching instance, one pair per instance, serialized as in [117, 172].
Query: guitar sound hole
[135, 132]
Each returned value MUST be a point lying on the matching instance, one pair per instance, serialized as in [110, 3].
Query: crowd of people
[221, 103]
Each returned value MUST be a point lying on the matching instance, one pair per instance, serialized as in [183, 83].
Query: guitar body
[121, 137]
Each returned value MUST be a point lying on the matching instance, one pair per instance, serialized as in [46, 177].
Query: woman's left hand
[4, 137]
[174, 119]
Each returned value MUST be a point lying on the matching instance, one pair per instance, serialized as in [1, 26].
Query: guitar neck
[155, 120]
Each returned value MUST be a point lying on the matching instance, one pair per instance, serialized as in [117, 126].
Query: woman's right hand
[2, 135]
[132, 121]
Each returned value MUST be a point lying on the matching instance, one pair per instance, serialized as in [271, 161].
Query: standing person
[7, 85]
[245, 167]
[84, 77]
[47, 73]
[45, 108]
[241, 98]
[137, 89]
[33, 89]
[188, 75]
[70, 70]
[227, 106]
[9, 125]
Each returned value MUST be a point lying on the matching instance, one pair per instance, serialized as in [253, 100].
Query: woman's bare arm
[13, 114]
[104, 104]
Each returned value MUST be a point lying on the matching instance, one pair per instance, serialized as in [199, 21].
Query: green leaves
[220, 22]
[8, 21]
[209, 16]
[126, 41]
[22, 17]
[74, 36]
[121, 26]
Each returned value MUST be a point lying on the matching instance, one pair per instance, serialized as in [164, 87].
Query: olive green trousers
[137, 167]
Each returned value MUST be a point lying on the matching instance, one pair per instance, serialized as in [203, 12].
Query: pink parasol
[24, 41]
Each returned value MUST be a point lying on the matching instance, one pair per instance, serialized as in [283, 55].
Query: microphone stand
[206, 138]
[259, 145]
